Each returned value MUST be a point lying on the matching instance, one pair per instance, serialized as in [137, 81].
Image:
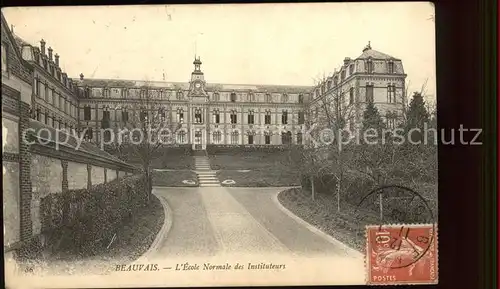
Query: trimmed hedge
[235, 149]
[83, 221]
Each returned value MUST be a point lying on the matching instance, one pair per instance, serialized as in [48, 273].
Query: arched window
[301, 98]
[216, 115]
[251, 117]
[217, 136]
[235, 135]
[267, 117]
[233, 97]
[197, 116]
[180, 115]
[234, 117]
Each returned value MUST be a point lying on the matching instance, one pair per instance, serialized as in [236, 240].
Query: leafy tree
[416, 116]
[372, 118]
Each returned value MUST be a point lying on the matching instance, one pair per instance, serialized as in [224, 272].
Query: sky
[289, 44]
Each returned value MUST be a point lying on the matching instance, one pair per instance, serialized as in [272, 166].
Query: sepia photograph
[220, 145]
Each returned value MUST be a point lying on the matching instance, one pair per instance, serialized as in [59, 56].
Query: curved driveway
[209, 221]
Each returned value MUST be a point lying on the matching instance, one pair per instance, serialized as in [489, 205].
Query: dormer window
[390, 67]
[369, 66]
[343, 74]
[351, 69]
[284, 97]
[301, 98]
[216, 96]
[335, 80]
[269, 97]
[233, 97]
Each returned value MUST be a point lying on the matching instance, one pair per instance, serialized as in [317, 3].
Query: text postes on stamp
[401, 254]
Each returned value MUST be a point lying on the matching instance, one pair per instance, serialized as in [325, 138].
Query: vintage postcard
[219, 145]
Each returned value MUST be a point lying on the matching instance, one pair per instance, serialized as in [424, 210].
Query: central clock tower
[197, 83]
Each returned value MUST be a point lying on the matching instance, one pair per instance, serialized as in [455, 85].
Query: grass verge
[347, 226]
[174, 178]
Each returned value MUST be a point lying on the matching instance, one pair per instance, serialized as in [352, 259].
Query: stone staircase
[206, 176]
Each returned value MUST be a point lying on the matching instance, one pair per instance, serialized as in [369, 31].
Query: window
[369, 66]
[47, 117]
[216, 116]
[329, 84]
[234, 117]
[391, 93]
[217, 136]
[343, 74]
[106, 114]
[235, 137]
[301, 98]
[369, 92]
[162, 114]
[299, 137]
[180, 95]
[88, 133]
[390, 67]
[233, 97]
[197, 116]
[38, 114]
[4, 57]
[250, 138]
[267, 137]
[36, 86]
[351, 69]
[180, 115]
[284, 117]
[267, 117]
[391, 120]
[181, 137]
[61, 102]
[251, 97]
[286, 138]
[351, 95]
[250, 117]
[269, 98]
[301, 117]
[216, 96]
[284, 97]
[335, 80]
[124, 93]
[124, 115]
[86, 113]
[144, 115]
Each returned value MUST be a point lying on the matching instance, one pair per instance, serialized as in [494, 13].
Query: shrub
[85, 220]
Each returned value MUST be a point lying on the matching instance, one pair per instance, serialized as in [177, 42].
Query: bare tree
[333, 112]
[147, 125]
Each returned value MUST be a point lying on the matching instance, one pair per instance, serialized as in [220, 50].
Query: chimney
[50, 53]
[42, 46]
[81, 76]
[346, 61]
[57, 59]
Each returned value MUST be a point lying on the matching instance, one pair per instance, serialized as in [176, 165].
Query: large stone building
[212, 113]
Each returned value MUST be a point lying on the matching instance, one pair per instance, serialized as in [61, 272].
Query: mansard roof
[185, 85]
[370, 53]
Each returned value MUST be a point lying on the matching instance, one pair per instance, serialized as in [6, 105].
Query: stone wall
[11, 203]
[77, 176]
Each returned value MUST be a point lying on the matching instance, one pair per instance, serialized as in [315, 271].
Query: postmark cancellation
[401, 254]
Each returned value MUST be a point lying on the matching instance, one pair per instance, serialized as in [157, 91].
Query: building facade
[228, 114]
[213, 113]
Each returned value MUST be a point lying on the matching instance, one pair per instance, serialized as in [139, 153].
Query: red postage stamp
[401, 254]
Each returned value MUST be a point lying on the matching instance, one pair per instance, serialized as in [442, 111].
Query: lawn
[255, 169]
[348, 226]
[174, 178]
